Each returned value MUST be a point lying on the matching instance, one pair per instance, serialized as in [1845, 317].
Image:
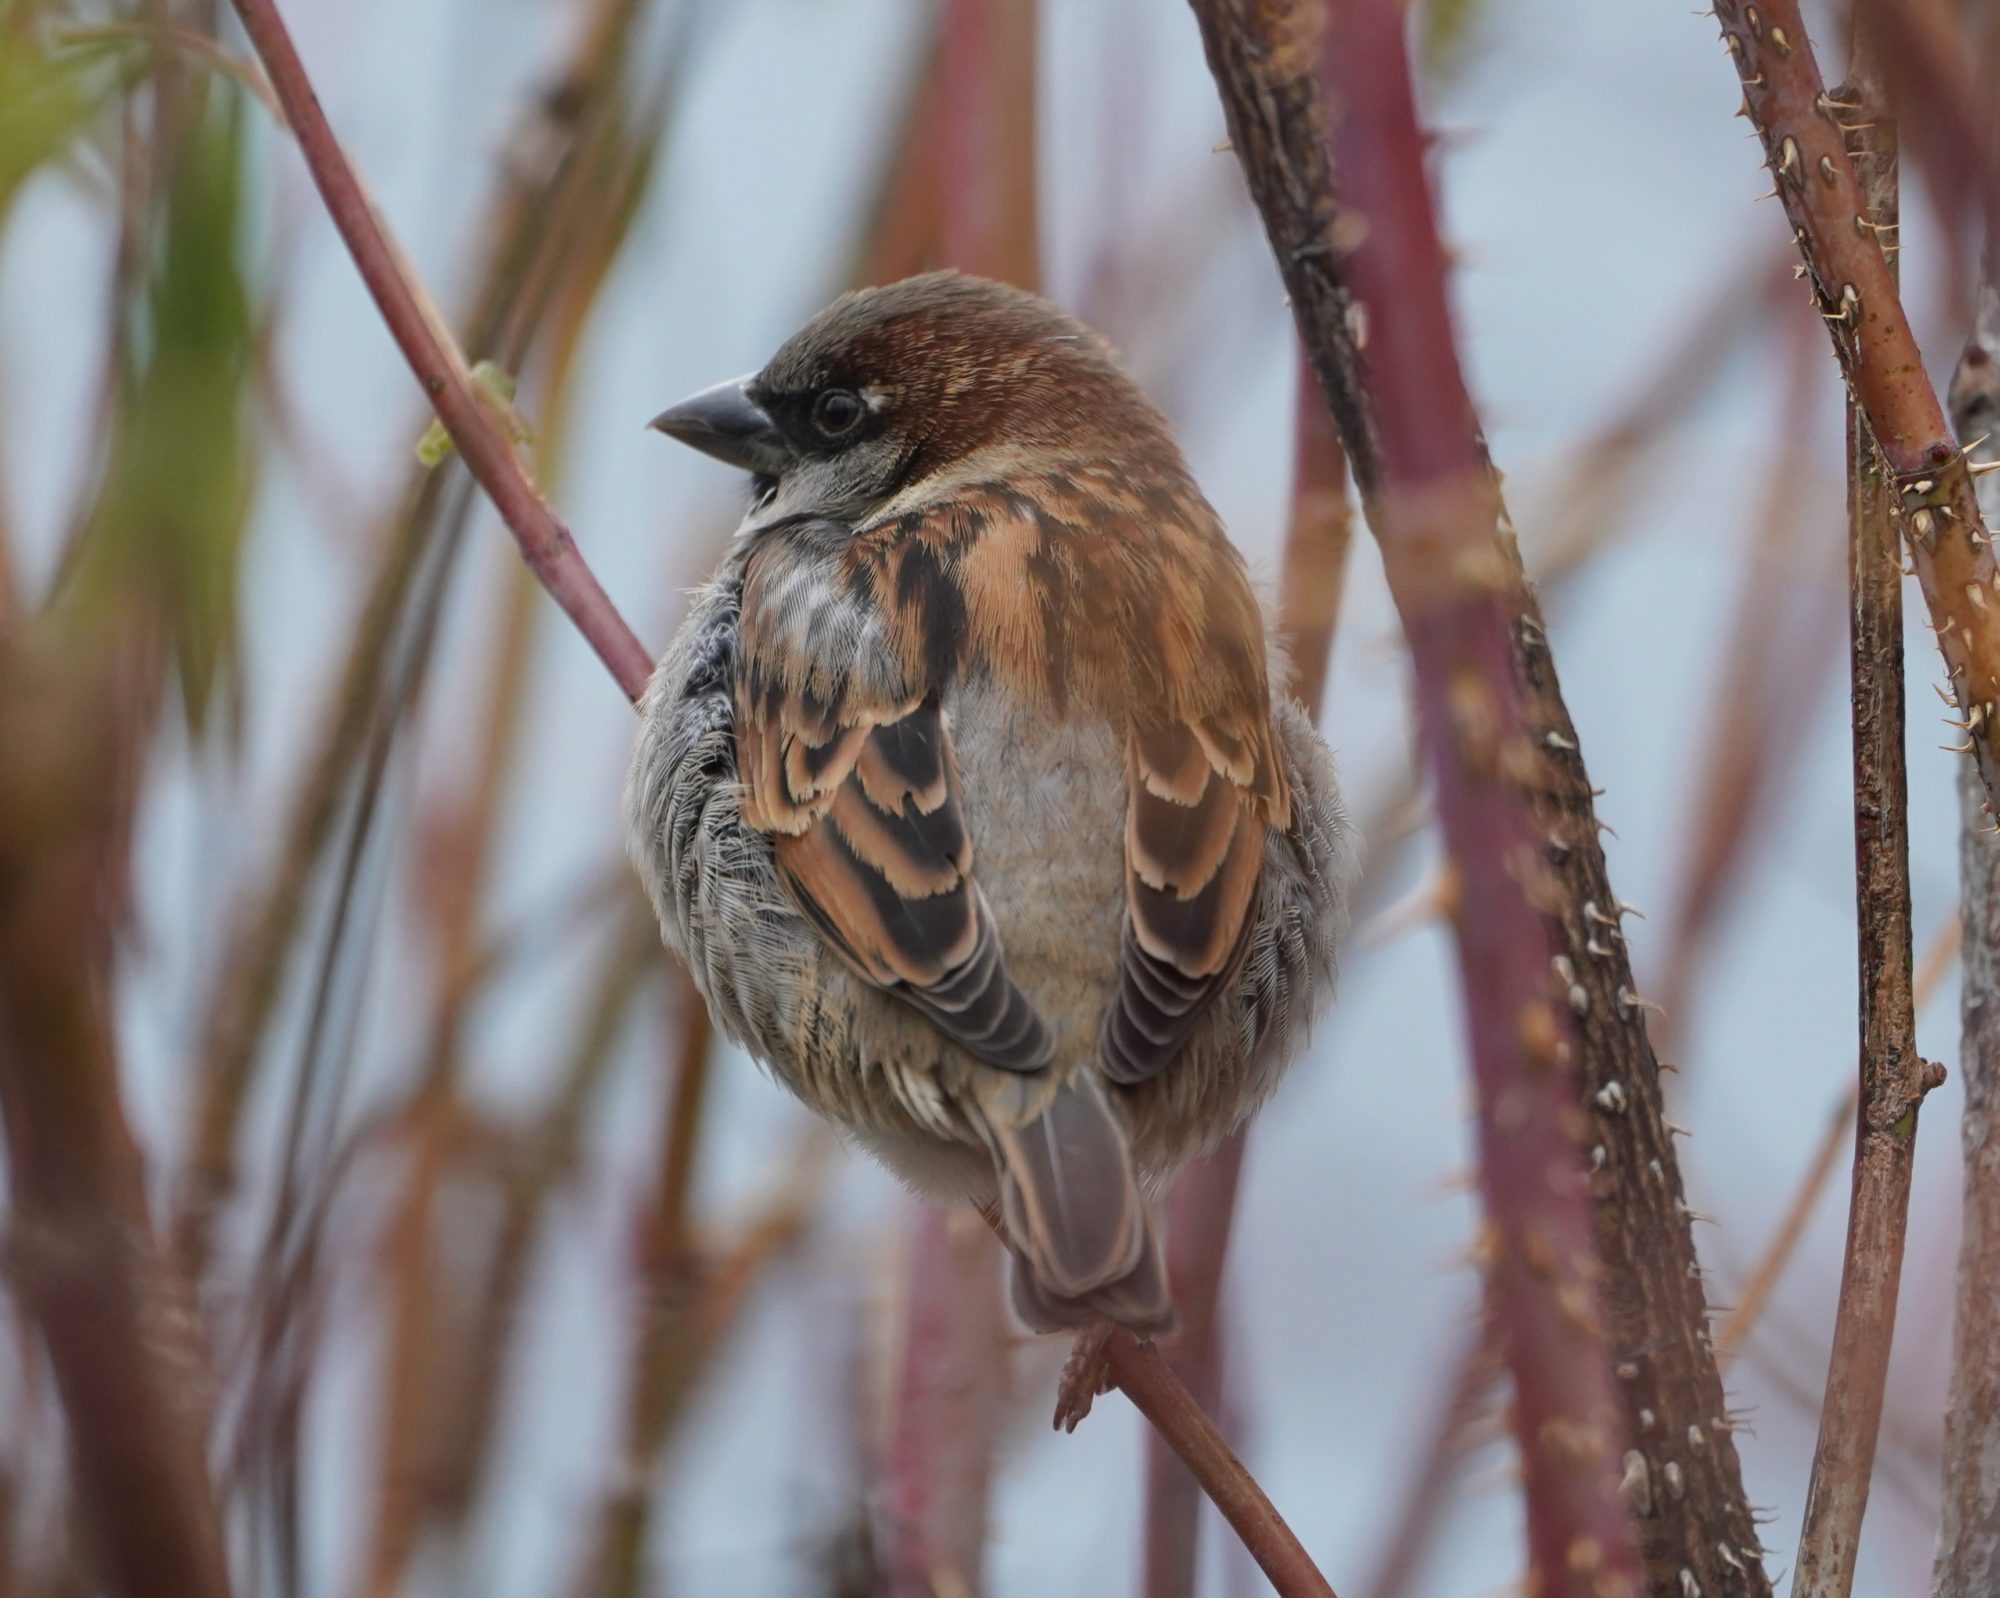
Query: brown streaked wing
[1195, 822]
[869, 833]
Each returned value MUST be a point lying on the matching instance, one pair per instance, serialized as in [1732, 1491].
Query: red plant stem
[80, 1256]
[1433, 505]
[1202, 1214]
[1435, 518]
[1142, 1374]
[1805, 133]
[952, 1378]
[440, 366]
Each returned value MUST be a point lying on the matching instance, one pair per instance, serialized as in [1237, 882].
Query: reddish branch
[1806, 133]
[1431, 501]
[1143, 1375]
[440, 366]
[1362, 268]
[951, 1386]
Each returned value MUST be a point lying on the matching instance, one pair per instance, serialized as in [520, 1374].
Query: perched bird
[963, 790]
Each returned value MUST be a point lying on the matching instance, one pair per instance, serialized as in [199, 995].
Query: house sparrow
[962, 790]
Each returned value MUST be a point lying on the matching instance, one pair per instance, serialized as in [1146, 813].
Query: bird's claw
[1086, 1373]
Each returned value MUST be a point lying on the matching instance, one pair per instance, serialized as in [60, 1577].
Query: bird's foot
[1086, 1373]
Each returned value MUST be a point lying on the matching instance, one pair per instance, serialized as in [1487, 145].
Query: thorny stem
[1968, 1547]
[440, 366]
[1805, 131]
[1502, 746]
[1431, 504]
[1893, 1078]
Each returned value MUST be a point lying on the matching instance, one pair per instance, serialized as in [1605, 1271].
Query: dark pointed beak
[724, 421]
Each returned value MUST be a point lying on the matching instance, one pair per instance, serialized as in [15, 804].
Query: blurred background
[507, 1282]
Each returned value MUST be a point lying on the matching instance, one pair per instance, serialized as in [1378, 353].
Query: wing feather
[861, 800]
[1195, 824]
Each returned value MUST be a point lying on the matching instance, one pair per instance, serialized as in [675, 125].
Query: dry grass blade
[1414, 1531]
[1781, 644]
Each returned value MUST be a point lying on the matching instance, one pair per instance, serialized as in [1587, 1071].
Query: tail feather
[1083, 1242]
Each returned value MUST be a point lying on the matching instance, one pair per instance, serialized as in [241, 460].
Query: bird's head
[895, 390]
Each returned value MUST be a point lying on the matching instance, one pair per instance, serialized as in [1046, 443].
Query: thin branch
[1968, 1547]
[1893, 1079]
[1142, 1374]
[1363, 269]
[1806, 133]
[440, 366]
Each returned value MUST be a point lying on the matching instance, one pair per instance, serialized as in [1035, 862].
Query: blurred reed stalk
[143, 602]
[448, 1324]
[1805, 133]
[1893, 1078]
[1968, 1546]
[1528, 873]
[1202, 1207]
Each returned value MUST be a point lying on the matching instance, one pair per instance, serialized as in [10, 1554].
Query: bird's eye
[836, 411]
